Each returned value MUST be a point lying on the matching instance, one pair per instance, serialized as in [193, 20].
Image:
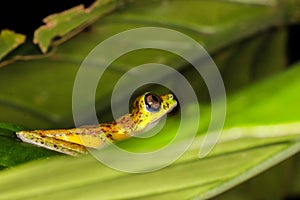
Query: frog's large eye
[152, 102]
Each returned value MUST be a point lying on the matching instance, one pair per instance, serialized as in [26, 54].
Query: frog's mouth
[155, 124]
[174, 104]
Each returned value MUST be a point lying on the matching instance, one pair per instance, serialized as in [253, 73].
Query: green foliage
[248, 43]
[9, 41]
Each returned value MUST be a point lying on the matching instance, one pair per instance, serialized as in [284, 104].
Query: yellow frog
[147, 109]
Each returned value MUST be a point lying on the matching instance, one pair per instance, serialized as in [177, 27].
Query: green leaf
[11, 127]
[9, 40]
[36, 98]
[253, 148]
[13, 151]
[61, 24]
[262, 126]
[187, 178]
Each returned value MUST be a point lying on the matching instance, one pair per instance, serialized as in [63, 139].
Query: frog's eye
[152, 102]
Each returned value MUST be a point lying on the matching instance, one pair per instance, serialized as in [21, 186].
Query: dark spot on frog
[110, 136]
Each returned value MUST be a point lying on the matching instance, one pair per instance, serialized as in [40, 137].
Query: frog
[148, 108]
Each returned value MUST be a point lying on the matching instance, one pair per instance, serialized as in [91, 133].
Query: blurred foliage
[9, 41]
[248, 42]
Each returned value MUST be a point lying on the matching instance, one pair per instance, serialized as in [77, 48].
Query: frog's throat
[127, 124]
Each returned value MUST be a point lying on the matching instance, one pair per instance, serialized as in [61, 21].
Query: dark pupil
[152, 102]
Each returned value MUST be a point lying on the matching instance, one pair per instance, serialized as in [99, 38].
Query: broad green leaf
[267, 185]
[37, 98]
[9, 40]
[10, 145]
[253, 149]
[189, 177]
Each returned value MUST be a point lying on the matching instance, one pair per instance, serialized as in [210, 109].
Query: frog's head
[149, 108]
